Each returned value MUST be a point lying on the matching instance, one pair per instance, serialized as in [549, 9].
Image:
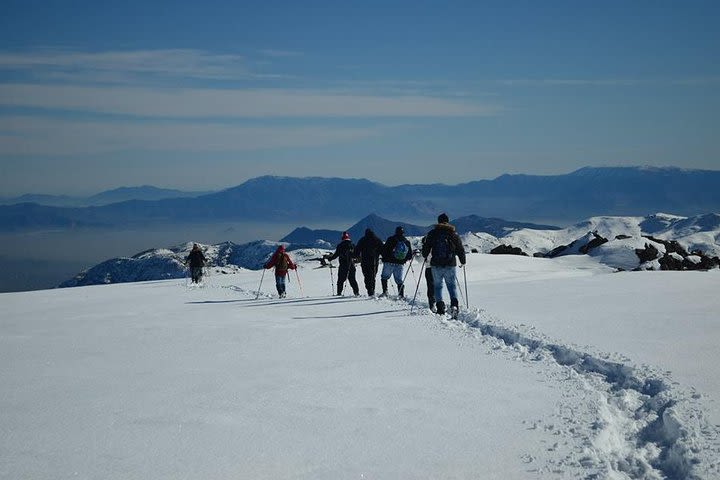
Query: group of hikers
[442, 245]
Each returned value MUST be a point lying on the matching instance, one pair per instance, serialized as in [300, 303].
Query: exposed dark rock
[671, 246]
[594, 243]
[622, 237]
[556, 251]
[507, 250]
[647, 254]
[582, 245]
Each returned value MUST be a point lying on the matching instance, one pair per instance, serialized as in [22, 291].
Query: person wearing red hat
[282, 263]
[346, 271]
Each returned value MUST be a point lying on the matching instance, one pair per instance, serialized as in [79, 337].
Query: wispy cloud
[230, 103]
[609, 82]
[185, 63]
[29, 135]
[269, 52]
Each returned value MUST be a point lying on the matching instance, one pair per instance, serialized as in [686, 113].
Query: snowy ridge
[167, 263]
[625, 236]
[645, 427]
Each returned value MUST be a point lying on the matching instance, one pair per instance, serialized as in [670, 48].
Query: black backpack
[443, 249]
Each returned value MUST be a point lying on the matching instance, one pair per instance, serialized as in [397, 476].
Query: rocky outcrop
[647, 254]
[676, 257]
[582, 245]
[507, 250]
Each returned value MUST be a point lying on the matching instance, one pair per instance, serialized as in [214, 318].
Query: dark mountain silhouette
[580, 194]
[384, 228]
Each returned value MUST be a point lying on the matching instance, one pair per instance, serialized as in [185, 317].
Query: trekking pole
[408, 270]
[299, 283]
[412, 304]
[457, 286]
[332, 280]
[467, 297]
[259, 287]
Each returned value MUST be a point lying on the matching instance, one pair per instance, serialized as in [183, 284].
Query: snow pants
[369, 270]
[280, 284]
[346, 271]
[196, 274]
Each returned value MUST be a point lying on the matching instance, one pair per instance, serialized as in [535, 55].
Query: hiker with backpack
[344, 252]
[196, 260]
[396, 252]
[368, 250]
[282, 263]
[444, 244]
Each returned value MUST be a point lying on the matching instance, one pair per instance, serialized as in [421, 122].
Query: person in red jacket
[282, 263]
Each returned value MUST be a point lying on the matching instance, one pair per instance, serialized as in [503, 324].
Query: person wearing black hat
[396, 252]
[344, 253]
[368, 250]
[444, 244]
[196, 260]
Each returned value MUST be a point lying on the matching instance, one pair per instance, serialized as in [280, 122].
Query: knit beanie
[443, 218]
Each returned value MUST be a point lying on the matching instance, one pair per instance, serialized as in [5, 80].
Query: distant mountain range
[584, 193]
[384, 228]
[122, 194]
[655, 242]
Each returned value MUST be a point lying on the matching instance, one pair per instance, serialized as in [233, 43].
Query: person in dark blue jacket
[396, 252]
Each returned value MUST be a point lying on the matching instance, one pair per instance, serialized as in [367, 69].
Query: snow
[560, 369]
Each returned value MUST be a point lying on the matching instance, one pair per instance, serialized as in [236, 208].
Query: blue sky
[204, 95]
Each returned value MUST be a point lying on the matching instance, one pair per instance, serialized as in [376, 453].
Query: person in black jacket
[396, 252]
[344, 253]
[368, 250]
[196, 260]
[445, 245]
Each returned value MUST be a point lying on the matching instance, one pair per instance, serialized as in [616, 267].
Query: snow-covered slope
[559, 369]
[624, 235]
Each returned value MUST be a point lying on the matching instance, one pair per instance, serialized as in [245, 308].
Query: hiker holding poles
[396, 252]
[368, 250]
[196, 260]
[344, 252]
[444, 244]
[282, 263]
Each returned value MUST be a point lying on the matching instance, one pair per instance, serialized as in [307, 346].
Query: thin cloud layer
[185, 63]
[27, 135]
[231, 103]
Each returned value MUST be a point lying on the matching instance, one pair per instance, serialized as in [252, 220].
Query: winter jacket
[196, 258]
[387, 253]
[369, 248]
[282, 263]
[344, 253]
[443, 236]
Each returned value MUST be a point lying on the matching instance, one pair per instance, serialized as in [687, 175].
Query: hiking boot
[383, 282]
[401, 291]
[440, 308]
[431, 305]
